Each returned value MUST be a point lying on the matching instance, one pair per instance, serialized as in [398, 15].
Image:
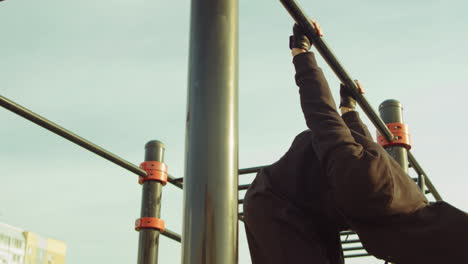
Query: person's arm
[348, 104]
[329, 130]
[355, 124]
[350, 116]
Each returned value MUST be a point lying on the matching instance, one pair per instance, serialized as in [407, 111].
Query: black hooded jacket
[337, 171]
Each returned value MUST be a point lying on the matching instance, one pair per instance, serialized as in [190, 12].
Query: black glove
[347, 100]
[299, 39]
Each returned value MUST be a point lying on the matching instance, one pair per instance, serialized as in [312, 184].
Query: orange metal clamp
[156, 171]
[149, 222]
[400, 133]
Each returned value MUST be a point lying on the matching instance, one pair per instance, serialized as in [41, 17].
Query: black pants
[278, 232]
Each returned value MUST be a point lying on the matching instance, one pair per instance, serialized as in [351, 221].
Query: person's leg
[435, 234]
[279, 233]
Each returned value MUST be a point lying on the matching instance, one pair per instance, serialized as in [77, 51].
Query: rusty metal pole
[210, 229]
[149, 225]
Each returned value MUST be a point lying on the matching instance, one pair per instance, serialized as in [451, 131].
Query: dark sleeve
[365, 180]
[330, 132]
[355, 124]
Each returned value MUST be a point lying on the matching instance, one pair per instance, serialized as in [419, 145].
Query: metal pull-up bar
[301, 19]
[53, 127]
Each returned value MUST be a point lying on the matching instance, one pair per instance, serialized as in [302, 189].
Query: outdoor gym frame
[210, 228]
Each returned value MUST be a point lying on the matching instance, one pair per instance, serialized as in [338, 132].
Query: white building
[12, 245]
[18, 246]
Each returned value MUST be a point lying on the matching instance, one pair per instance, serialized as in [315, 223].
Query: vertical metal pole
[391, 111]
[151, 207]
[210, 229]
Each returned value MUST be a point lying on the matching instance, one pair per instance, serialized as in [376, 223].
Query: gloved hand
[299, 40]
[347, 100]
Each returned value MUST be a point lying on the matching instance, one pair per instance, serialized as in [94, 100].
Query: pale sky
[115, 72]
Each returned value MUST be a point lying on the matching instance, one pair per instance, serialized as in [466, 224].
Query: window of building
[17, 243]
[41, 253]
[4, 239]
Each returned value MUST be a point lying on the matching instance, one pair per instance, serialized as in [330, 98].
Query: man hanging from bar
[335, 177]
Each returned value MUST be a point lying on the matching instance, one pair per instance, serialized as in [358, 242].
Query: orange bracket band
[156, 171]
[149, 222]
[400, 133]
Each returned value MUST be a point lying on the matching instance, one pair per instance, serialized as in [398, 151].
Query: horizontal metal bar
[243, 187]
[241, 201]
[251, 170]
[178, 181]
[172, 235]
[347, 233]
[241, 214]
[415, 165]
[51, 126]
[358, 255]
[353, 248]
[350, 241]
[241, 171]
[175, 181]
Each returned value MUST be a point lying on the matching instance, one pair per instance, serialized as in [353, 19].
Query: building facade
[18, 246]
